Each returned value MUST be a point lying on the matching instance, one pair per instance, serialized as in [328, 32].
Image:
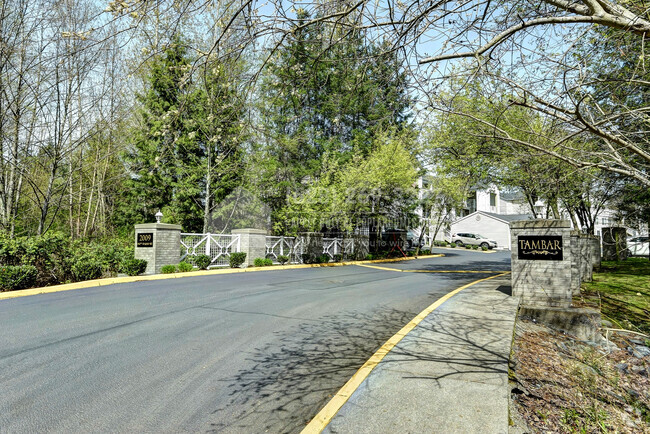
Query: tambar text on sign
[539, 247]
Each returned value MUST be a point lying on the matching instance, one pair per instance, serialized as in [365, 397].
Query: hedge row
[51, 259]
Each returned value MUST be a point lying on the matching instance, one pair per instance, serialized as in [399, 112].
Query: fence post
[207, 244]
[158, 244]
[252, 242]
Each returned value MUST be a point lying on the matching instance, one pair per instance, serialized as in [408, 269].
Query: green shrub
[474, 247]
[202, 261]
[14, 277]
[86, 267]
[484, 248]
[370, 257]
[425, 252]
[338, 257]
[168, 269]
[283, 259]
[468, 247]
[452, 245]
[258, 262]
[111, 254]
[12, 250]
[133, 267]
[50, 254]
[184, 267]
[236, 259]
[322, 259]
[268, 262]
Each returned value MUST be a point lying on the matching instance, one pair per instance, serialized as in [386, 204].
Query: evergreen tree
[326, 91]
[186, 150]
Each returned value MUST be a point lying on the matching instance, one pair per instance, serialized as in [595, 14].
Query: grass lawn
[622, 289]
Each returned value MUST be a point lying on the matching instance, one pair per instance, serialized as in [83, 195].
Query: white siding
[512, 207]
[487, 226]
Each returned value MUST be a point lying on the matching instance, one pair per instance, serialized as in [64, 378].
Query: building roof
[510, 217]
[505, 218]
[513, 196]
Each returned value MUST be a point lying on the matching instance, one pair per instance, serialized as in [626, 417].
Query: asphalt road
[249, 352]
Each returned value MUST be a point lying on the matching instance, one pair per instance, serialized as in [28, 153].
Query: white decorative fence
[285, 246]
[293, 247]
[217, 246]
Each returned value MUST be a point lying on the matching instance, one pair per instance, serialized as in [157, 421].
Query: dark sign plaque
[539, 247]
[145, 239]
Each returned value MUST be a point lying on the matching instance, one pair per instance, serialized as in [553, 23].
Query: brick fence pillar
[159, 244]
[252, 242]
[541, 262]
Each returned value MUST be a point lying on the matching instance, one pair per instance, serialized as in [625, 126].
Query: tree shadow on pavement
[291, 380]
[472, 344]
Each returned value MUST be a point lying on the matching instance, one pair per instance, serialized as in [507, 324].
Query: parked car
[473, 239]
[412, 240]
[638, 246]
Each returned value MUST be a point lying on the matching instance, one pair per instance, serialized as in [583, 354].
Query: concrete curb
[130, 279]
[467, 250]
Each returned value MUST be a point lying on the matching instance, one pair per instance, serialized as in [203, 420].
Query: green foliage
[425, 252]
[452, 245]
[440, 243]
[112, 254]
[621, 291]
[187, 146]
[236, 259]
[49, 253]
[86, 267]
[13, 277]
[338, 257]
[202, 261]
[12, 250]
[168, 269]
[370, 257]
[324, 104]
[283, 259]
[133, 267]
[468, 247]
[484, 248]
[268, 262]
[474, 247]
[376, 187]
[258, 262]
[185, 267]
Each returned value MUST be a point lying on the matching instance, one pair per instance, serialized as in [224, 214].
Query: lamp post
[159, 216]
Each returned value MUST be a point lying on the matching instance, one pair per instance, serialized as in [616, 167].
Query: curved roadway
[248, 352]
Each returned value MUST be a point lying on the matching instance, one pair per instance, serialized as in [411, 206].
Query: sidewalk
[448, 375]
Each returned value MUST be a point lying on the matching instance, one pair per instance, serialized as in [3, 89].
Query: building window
[493, 199]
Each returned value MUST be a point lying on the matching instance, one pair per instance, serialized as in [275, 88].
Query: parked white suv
[476, 239]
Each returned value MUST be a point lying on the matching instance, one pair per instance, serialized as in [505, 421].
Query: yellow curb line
[327, 413]
[130, 279]
[432, 271]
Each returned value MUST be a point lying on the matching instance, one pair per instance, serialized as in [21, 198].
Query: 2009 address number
[145, 240]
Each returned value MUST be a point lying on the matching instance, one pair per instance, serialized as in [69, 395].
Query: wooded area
[225, 114]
